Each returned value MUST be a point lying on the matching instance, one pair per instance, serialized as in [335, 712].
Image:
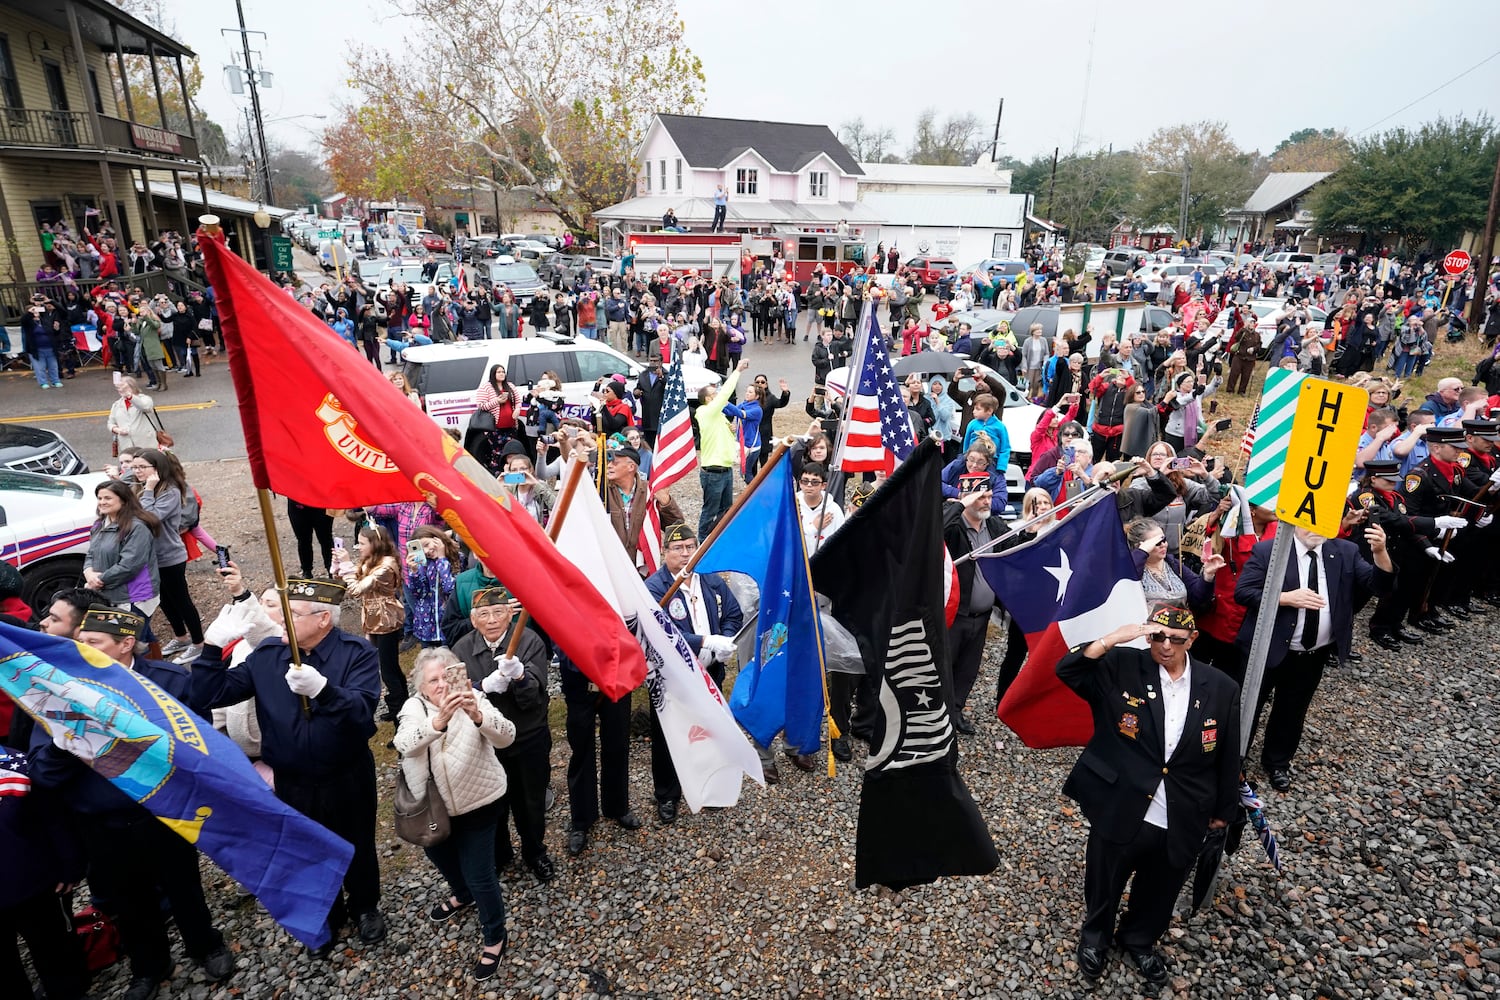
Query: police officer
[1435, 493]
[134, 859]
[1378, 500]
[517, 686]
[705, 611]
[316, 721]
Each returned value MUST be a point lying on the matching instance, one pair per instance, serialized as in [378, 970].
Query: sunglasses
[1176, 640]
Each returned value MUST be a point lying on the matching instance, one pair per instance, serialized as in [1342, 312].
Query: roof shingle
[787, 146]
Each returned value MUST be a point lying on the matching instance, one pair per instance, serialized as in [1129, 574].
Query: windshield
[25, 482]
[519, 274]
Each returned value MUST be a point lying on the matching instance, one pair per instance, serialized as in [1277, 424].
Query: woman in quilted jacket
[447, 736]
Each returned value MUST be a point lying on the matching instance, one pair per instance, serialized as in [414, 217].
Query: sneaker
[174, 646]
[45, 385]
[57, 385]
[190, 653]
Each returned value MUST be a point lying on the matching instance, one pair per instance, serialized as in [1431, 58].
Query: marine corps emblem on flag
[340, 428]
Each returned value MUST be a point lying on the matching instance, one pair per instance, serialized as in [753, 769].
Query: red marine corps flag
[369, 444]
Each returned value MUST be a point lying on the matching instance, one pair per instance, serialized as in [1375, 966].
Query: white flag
[708, 748]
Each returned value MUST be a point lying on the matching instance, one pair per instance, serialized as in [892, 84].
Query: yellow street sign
[1320, 455]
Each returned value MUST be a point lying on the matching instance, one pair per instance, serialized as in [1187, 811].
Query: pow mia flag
[883, 571]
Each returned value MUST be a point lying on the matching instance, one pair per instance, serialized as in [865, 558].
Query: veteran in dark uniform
[705, 611]
[134, 859]
[1378, 500]
[1161, 769]
[1479, 544]
[517, 686]
[321, 756]
[1436, 494]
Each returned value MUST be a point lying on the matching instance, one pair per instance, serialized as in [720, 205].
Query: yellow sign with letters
[1320, 455]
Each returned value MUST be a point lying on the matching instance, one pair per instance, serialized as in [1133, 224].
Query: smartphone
[414, 552]
[119, 377]
[457, 676]
[1223, 425]
[338, 545]
[515, 479]
[1070, 453]
[221, 556]
[1181, 464]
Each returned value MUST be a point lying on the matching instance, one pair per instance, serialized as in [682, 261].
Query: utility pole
[253, 77]
[1486, 251]
[1182, 211]
[995, 144]
[1052, 185]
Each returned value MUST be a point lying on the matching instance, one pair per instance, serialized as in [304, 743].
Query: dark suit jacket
[724, 614]
[1341, 566]
[524, 703]
[1115, 778]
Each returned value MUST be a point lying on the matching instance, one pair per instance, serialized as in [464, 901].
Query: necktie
[1313, 616]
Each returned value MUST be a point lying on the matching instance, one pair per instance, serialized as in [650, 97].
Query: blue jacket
[335, 735]
[999, 495]
[998, 434]
[723, 611]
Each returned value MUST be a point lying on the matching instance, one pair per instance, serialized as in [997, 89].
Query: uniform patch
[1130, 725]
[1413, 482]
[1463, 459]
[1367, 500]
[1210, 739]
[679, 609]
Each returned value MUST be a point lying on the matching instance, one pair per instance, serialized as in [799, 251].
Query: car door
[448, 388]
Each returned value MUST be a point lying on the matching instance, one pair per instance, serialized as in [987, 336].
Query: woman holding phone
[430, 562]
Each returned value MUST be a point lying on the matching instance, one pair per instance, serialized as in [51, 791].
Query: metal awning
[98, 22]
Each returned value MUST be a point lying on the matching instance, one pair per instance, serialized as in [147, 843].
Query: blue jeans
[397, 346]
[1405, 364]
[4, 339]
[587, 331]
[467, 861]
[44, 365]
[718, 494]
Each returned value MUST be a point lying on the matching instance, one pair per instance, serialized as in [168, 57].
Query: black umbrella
[1210, 858]
[929, 363]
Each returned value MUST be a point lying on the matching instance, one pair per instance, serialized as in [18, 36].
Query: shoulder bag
[422, 821]
[163, 439]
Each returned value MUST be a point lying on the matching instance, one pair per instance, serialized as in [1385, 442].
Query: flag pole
[554, 527]
[1073, 504]
[278, 573]
[734, 508]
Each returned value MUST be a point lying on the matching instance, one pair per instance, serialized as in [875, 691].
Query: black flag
[883, 572]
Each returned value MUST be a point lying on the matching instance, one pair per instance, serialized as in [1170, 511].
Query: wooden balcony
[46, 129]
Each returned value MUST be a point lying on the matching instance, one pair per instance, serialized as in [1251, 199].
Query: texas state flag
[1069, 586]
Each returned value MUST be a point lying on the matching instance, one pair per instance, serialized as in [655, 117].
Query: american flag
[463, 282]
[1247, 443]
[674, 458]
[876, 432]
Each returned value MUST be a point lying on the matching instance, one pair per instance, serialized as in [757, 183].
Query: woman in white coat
[447, 735]
[131, 417]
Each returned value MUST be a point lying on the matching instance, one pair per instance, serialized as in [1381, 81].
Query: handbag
[99, 937]
[422, 821]
[163, 439]
[482, 420]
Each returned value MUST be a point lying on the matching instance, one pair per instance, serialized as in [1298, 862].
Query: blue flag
[782, 686]
[187, 774]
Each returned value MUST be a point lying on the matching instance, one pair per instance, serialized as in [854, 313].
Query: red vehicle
[719, 253]
[930, 270]
[434, 243]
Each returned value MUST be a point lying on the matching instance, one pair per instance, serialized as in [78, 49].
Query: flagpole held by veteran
[211, 226]
[765, 468]
[1075, 502]
[554, 525]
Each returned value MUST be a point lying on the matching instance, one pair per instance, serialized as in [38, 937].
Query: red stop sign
[1456, 263]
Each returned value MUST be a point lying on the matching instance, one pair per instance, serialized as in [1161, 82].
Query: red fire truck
[719, 253]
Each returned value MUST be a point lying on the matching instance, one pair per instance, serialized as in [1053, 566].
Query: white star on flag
[1063, 573]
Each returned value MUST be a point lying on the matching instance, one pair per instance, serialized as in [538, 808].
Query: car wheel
[39, 584]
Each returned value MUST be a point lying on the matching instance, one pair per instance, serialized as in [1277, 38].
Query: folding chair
[90, 346]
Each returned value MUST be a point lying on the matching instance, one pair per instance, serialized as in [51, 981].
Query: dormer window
[746, 181]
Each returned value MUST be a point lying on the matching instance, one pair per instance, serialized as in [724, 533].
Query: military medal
[1129, 725]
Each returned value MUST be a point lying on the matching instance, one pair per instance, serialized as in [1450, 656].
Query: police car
[44, 530]
[449, 375]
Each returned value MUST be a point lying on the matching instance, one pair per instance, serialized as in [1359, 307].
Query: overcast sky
[1266, 70]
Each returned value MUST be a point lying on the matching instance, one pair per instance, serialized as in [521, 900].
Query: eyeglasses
[1068, 434]
[811, 481]
[1176, 640]
[305, 614]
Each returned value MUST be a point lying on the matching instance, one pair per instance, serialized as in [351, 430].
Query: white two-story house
[779, 176]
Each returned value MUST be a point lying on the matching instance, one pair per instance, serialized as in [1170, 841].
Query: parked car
[507, 272]
[1268, 313]
[432, 241]
[448, 375]
[34, 449]
[998, 268]
[1118, 260]
[1281, 263]
[930, 270]
[44, 530]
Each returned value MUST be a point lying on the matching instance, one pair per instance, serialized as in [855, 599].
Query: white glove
[495, 682]
[1433, 552]
[229, 626]
[717, 648]
[1447, 522]
[305, 681]
[1484, 522]
[1447, 557]
[1495, 477]
[508, 669]
[258, 625]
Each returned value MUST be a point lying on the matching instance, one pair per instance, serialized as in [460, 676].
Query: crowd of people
[469, 719]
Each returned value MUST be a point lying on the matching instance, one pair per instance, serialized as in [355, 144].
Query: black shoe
[1354, 657]
[1149, 963]
[841, 750]
[218, 964]
[578, 842]
[772, 776]
[865, 733]
[1386, 640]
[803, 761]
[542, 868]
[1092, 961]
[371, 927]
[962, 724]
[629, 821]
[488, 964]
[142, 988]
[1405, 636]
[1463, 607]
[1493, 600]
[1443, 622]
[442, 911]
[1281, 779]
[1429, 626]
[667, 812]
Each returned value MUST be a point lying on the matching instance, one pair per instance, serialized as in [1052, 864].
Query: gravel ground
[1388, 889]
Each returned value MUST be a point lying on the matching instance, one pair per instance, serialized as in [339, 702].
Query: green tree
[1221, 176]
[1310, 149]
[1425, 185]
[549, 96]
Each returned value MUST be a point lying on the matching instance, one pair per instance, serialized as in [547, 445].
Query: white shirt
[1174, 705]
[697, 612]
[1325, 618]
[812, 535]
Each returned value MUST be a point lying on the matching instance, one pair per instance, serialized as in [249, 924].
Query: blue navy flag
[876, 433]
[187, 774]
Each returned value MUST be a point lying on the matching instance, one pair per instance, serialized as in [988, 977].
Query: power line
[1434, 90]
